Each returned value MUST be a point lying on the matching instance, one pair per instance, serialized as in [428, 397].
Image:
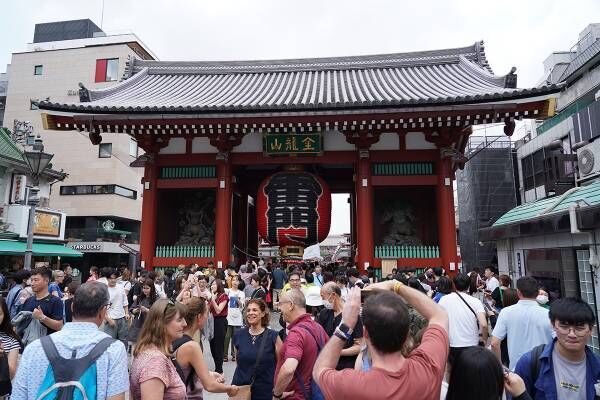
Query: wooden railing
[394, 252]
[185, 251]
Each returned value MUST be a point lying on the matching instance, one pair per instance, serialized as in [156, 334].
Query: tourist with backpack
[189, 360]
[78, 357]
[565, 368]
[153, 374]
[305, 338]
[14, 306]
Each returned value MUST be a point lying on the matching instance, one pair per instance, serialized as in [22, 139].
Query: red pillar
[446, 223]
[223, 214]
[149, 212]
[364, 214]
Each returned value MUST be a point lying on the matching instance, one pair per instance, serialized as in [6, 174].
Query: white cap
[313, 296]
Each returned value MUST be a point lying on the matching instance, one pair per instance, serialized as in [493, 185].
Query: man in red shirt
[293, 374]
[385, 328]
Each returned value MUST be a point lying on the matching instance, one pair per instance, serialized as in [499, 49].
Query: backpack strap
[15, 298]
[71, 369]
[319, 347]
[319, 341]
[536, 353]
[189, 380]
[68, 372]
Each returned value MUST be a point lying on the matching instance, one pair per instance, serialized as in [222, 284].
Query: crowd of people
[341, 335]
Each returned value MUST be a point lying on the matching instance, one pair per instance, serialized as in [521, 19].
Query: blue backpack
[315, 390]
[71, 379]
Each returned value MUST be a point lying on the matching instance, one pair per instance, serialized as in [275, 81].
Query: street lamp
[37, 161]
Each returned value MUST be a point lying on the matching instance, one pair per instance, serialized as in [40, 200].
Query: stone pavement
[229, 367]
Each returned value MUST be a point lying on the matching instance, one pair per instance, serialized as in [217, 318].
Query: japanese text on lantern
[310, 144]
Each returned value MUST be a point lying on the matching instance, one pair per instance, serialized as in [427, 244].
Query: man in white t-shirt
[117, 315]
[491, 282]
[466, 316]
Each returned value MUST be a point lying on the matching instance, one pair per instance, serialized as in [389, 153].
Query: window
[104, 150]
[98, 189]
[538, 167]
[38, 70]
[133, 148]
[527, 166]
[107, 70]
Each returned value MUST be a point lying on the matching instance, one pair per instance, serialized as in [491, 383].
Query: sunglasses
[170, 303]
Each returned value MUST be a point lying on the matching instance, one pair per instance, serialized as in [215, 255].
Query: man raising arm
[386, 327]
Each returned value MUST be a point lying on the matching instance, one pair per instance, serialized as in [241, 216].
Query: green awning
[585, 195]
[13, 247]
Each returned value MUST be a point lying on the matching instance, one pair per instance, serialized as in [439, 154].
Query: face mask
[327, 305]
[541, 299]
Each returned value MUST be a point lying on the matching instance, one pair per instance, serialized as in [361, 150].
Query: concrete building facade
[102, 193]
[553, 235]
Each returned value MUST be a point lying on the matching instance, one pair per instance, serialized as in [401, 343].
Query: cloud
[516, 33]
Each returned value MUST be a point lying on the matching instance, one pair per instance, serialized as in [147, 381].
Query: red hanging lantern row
[293, 210]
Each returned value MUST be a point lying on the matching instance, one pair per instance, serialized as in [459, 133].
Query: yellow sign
[46, 224]
[304, 143]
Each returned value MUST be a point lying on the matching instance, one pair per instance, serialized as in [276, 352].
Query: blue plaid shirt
[80, 336]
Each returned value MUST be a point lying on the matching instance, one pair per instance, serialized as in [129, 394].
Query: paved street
[229, 367]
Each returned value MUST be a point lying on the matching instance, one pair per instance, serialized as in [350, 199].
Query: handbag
[5, 385]
[245, 391]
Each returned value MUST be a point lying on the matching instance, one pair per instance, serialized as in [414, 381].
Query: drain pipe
[594, 262]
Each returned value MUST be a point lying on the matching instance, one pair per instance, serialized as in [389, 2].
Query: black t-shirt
[497, 297]
[51, 306]
[329, 322]
[136, 290]
[68, 311]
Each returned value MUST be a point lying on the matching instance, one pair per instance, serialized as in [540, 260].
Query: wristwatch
[345, 329]
[341, 335]
[277, 396]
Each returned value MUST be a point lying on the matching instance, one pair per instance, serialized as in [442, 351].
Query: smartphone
[365, 294]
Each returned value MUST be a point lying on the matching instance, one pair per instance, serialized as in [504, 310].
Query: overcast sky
[516, 33]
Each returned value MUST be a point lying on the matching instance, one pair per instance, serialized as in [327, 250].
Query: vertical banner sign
[19, 184]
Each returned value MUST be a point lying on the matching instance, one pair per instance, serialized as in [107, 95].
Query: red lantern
[293, 210]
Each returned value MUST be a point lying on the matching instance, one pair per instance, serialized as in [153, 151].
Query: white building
[102, 193]
[553, 235]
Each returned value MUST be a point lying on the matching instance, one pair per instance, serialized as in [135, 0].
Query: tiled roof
[8, 148]
[589, 194]
[451, 76]
[11, 152]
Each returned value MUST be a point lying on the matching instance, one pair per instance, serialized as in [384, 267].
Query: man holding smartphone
[386, 325]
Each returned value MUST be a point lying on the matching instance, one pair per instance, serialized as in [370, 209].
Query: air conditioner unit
[588, 160]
